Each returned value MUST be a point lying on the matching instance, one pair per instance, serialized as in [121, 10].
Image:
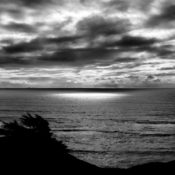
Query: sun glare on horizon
[90, 95]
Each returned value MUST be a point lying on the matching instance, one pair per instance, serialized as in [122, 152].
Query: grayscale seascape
[87, 86]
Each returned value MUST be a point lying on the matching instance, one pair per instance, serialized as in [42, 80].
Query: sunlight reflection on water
[90, 96]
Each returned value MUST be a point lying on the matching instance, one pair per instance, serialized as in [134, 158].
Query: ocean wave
[167, 152]
[116, 131]
[157, 135]
[154, 122]
[137, 121]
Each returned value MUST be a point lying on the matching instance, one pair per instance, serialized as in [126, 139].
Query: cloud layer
[84, 43]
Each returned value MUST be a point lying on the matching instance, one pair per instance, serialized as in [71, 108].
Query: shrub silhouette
[29, 143]
[31, 129]
[28, 124]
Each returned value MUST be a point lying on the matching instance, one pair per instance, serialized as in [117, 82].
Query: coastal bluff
[28, 147]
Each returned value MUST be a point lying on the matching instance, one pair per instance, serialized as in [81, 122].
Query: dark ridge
[28, 146]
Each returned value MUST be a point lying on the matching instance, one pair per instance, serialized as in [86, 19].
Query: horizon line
[130, 88]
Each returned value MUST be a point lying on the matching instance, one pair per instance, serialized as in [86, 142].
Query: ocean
[119, 128]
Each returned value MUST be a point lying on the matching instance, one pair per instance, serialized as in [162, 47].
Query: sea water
[108, 129]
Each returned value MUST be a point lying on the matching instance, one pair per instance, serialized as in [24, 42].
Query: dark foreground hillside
[29, 147]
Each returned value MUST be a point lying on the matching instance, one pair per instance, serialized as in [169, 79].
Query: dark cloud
[70, 57]
[23, 47]
[166, 16]
[64, 39]
[151, 80]
[14, 12]
[17, 9]
[150, 77]
[145, 81]
[164, 53]
[35, 2]
[171, 74]
[13, 61]
[168, 68]
[132, 42]
[125, 5]
[79, 56]
[121, 5]
[125, 60]
[7, 41]
[39, 44]
[75, 57]
[135, 41]
[27, 3]
[99, 26]
[19, 27]
[143, 5]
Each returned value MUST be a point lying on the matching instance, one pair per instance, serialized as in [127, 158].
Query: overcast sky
[87, 43]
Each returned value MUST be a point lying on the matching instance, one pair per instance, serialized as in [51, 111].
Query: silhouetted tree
[29, 143]
[30, 129]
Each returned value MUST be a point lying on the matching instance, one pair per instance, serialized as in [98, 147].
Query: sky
[87, 43]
